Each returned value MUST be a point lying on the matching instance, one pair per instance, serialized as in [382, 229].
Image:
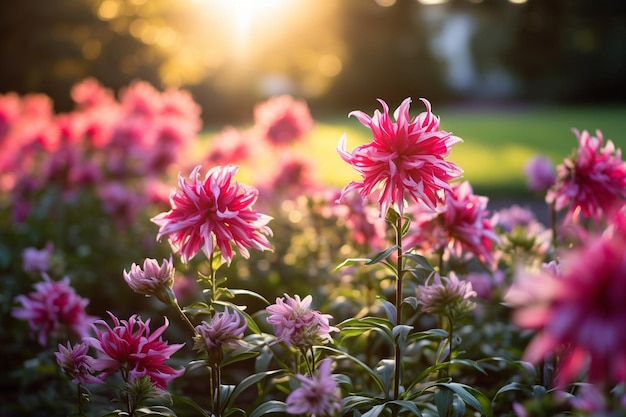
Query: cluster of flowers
[119, 149]
[574, 302]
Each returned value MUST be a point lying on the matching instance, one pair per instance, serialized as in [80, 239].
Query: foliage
[402, 313]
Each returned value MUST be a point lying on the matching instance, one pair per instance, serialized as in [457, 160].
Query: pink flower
[225, 329]
[230, 146]
[130, 348]
[214, 212]
[318, 396]
[37, 261]
[292, 175]
[461, 225]
[282, 120]
[296, 324]
[53, 309]
[77, 364]
[447, 296]
[362, 219]
[404, 157]
[540, 173]
[89, 93]
[593, 181]
[579, 311]
[154, 280]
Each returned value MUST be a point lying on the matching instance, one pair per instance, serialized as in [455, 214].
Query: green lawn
[497, 143]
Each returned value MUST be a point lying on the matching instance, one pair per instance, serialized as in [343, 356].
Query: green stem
[79, 389]
[400, 268]
[218, 383]
[185, 319]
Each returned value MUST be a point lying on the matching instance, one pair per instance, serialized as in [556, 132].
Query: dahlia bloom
[154, 280]
[77, 364]
[230, 146]
[318, 396]
[579, 311]
[593, 182]
[213, 212]
[447, 296]
[461, 225]
[540, 173]
[363, 221]
[130, 348]
[296, 324]
[37, 261]
[282, 120]
[225, 329]
[53, 309]
[405, 157]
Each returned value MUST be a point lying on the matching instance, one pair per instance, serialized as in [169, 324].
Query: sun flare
[245, 20]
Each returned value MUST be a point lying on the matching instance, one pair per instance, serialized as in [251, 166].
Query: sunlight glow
[242, 17]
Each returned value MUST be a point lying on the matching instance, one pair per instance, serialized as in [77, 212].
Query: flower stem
[185, 319]
[400, 268]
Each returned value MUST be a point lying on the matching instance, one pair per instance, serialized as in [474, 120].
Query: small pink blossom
[37, 260]
[578, 310]
[461, 225]
[318, 395]
[296, 324]
[363, 221]
[593, 181]
[154, 280]
[225, 329]
[282, 120]
[230, 146]
[405, 157]
[130, 347]
[89, 94]
[540, 173]
[53, 309]
[213, 212]
[77, 364]
[447, 296]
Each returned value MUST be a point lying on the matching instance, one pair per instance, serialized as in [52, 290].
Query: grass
[497, 142]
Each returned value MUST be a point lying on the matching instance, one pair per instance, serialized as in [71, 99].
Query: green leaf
[406, 226]
[382, 255]
[352, 261]
[356, 327]
[400, 334]
[191, 403]
[370, 371]
[443, 402]
[352, 403]
[269, 407]
[513, 386]
[411, 301]
[200, 363]
[390, 309]
[238, 355]
[419, 260]
[409, 405]
[248, 382]
[470, 396]
[392, 216]
[241, 291]
[155, 410]
[375, 411]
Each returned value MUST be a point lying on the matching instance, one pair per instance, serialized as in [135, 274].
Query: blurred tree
[570, 50]
[338, 55]
[388, 56]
